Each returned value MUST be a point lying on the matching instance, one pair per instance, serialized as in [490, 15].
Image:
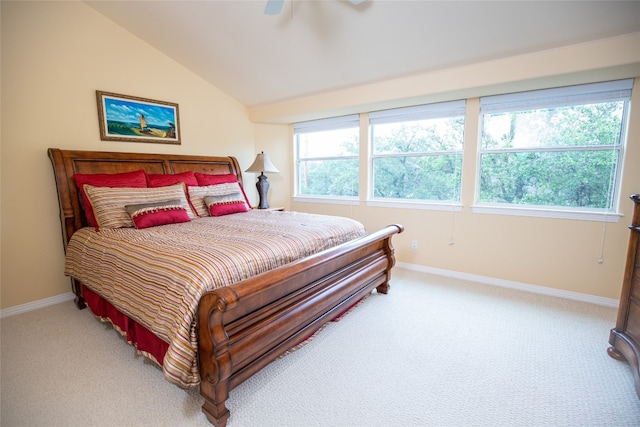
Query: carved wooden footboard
[245, 326]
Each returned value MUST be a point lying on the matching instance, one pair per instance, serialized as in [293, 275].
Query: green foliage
[336, 176]
[329, 177]
[419, 160]
[566, 179]
[418, 178]
[119, 128]
[569, 166]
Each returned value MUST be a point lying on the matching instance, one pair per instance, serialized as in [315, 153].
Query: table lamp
[262, 164]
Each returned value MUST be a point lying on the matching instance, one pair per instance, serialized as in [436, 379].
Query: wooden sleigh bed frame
[245, 326]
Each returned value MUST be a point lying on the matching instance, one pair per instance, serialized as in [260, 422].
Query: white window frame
[332, 123]
[448, 109]
[619, 90]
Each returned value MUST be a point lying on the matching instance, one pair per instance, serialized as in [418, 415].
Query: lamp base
[263, 188]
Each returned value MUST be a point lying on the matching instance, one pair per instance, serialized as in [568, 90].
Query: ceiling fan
[274, 7]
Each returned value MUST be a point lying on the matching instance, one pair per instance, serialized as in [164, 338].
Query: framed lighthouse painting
[134, 119]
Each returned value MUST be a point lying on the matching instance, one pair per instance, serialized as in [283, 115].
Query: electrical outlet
[414, 244]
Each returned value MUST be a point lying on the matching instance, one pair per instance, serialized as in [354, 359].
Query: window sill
[613, 217]
[327, 199]
[548, 213]
[405, 204]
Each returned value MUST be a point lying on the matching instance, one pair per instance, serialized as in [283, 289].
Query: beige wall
[55, 55]
[555, 253]
[275, 140]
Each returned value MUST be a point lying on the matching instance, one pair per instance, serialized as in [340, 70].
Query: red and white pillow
[138, 199]
[109, 204]
[209, 179]
[145, 215]
[218, 199]
[136, 179]
[162, 180]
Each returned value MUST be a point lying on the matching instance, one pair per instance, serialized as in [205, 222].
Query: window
[556, 148]
[327, 157]
[416, 152]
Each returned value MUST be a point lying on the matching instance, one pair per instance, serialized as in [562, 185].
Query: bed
[253, 316]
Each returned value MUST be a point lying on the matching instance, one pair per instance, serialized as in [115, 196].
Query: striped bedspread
[157, 275]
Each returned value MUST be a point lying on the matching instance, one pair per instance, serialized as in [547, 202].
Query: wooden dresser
[625, 337]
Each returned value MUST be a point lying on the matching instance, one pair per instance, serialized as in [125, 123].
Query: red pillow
[163, 180]
[226, 209]
[135, 179]
[229, 202]
[146, 215]
[209, 179]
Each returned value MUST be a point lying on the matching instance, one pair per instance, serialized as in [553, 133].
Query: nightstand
[277, 208]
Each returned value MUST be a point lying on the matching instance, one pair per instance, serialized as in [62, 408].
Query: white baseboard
[35, 305]
[576, 296]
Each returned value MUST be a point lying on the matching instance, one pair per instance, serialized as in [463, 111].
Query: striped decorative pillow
[135, 179]
[225, 198]
[205, 179]
[226, 204]
[109, 204]
[147, 215]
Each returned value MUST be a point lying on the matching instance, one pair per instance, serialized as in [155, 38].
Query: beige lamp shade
[261, 164]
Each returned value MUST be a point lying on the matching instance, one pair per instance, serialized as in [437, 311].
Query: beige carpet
[433, 352]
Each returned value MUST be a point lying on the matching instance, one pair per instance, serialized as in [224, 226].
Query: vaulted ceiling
[317, 46]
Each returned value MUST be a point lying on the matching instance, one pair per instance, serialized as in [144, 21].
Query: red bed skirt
[144, 340]
[137, 335]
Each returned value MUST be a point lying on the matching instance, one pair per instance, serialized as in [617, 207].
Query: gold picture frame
[134, 119]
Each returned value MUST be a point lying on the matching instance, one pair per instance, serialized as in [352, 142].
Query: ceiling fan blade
[273, 7]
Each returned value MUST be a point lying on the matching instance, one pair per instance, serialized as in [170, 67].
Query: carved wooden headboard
[67, 162]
